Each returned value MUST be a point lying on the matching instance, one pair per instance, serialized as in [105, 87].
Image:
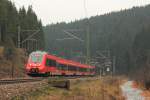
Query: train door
[50, 65]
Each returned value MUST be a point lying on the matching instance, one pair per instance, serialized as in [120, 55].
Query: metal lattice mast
[87, 43]
[19, 29]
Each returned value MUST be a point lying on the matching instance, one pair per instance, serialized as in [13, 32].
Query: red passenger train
[44, 63]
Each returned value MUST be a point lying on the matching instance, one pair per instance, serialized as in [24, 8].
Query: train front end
[35, 64]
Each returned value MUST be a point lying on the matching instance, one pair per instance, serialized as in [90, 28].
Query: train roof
[73, 63]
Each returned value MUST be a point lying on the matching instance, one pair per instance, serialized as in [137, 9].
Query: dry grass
[104, 89]
[1, 51]
[16, 62]
[112, 87]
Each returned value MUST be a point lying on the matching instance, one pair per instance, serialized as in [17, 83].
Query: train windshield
[36, 58]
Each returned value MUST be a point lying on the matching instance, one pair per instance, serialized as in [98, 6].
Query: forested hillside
[12, 22]
[124, 33]
[11, 19]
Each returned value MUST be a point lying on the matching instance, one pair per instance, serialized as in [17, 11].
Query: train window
[93, 70]
[62, 67]
[77, 69]
[87, 70]
[83, 70]
[72, 68]
[90, 70]
[36, 58]
[50, 63]
[59, 66]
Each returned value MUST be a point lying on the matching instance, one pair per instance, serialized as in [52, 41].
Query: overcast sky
[52, 11]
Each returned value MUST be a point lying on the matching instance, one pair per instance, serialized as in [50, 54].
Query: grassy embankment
[104, 89]
[11, 59]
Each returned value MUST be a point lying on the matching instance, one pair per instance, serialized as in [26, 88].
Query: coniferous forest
[11, 18]
[126, 34]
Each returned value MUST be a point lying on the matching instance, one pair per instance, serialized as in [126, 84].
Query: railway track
[14, 81]
[25, 80]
